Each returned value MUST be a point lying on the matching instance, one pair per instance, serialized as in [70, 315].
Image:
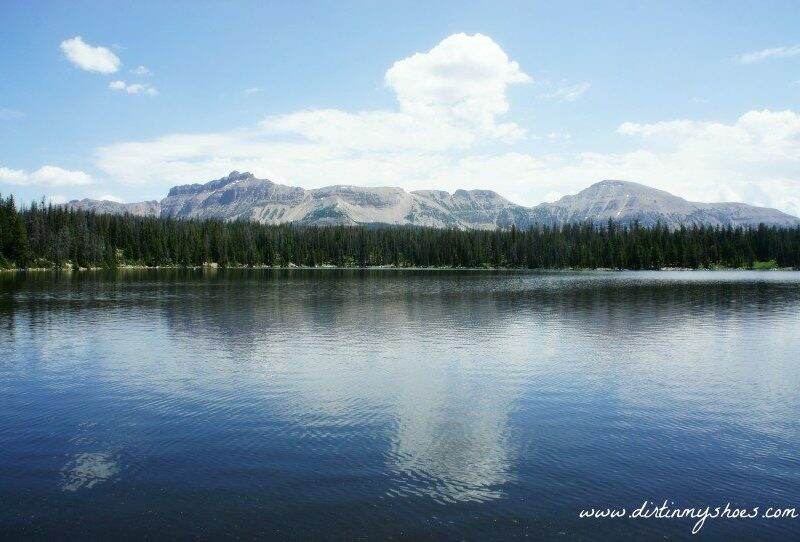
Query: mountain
[141, 208]
[241, 196]
[627, 202]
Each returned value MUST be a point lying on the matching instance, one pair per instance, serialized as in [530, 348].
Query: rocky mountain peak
[196, 188]
[242, 196]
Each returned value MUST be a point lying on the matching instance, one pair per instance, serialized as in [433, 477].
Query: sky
[535, 100]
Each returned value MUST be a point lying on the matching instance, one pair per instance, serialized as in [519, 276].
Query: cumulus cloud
[450, 133]
[88, 57]
[133, 88]
[764, 54]
[44, 176]
[464, 78]
[251, 90]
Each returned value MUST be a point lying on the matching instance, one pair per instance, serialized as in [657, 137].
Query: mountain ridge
[242, 196]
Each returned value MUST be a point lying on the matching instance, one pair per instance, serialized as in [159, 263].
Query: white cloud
[251, 90]
[430, 141]
[754, 159]
[44, 176]
[6, 114]
[133, 88]
[372, 130]
[464, 78]
[449, 98]
[764, 54]
[141, 71]
[568, 93]
[90, 58]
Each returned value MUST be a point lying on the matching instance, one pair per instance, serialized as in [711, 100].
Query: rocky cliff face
[241, 196]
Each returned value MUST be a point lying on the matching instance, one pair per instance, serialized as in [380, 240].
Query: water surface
[395, 404]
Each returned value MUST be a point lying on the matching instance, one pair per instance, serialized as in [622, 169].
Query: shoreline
[291, 267]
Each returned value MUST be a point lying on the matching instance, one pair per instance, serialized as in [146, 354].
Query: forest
[42, 235]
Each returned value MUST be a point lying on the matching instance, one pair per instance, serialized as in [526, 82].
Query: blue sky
[532, 99]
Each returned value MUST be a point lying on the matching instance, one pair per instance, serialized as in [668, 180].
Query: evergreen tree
[55, 235]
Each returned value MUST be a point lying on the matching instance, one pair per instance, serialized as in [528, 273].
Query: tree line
[45, 235]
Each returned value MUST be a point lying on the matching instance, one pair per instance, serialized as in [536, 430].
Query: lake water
[319, 404]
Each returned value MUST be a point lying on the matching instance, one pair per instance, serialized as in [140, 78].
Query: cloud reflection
[86, 470]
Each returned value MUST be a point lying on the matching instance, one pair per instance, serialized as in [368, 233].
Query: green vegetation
[771, 264]
[52, 236]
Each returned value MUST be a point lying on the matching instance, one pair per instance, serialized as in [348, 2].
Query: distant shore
[291, 267]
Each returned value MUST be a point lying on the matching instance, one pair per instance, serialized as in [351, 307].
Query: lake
[373, 404]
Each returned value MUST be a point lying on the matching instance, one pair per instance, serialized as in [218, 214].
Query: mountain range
[242, 196]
